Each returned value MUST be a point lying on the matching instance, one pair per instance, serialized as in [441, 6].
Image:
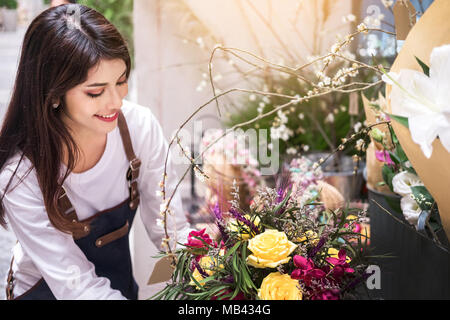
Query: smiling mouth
[107, 117]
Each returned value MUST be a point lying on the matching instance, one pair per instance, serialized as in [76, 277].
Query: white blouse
[43, 251]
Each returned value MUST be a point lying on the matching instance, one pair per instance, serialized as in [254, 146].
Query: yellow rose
[198, 277]
[209, 266]
[277, 286]
[351, 217]
[239, 226]
[270, 249]
[309, 236]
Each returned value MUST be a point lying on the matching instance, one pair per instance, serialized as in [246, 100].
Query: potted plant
[8, 14]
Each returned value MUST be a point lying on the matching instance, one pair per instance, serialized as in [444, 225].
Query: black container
[418, 268]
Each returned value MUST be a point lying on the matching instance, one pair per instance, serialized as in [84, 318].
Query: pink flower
[195, 242]
[383, 156]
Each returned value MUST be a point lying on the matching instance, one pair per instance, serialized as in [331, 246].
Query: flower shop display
[287, 246]
[298, 240]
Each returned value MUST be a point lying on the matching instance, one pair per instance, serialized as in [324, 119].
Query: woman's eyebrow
[104, 84]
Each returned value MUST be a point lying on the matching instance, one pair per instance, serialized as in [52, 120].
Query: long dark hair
[60, 46]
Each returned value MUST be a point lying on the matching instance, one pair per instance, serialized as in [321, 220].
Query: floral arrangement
[418, 103]
[416, 204]
[287, 246]
[401, 178]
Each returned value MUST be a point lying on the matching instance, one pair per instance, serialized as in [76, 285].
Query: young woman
[76, 160]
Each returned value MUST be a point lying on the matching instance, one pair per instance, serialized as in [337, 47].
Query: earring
[55, 106]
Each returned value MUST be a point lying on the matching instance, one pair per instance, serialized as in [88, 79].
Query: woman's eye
[95, 95]
[122, 82]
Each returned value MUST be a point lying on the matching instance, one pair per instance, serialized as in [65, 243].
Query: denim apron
[105, 238]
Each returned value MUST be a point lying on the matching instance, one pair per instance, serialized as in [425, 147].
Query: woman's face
[92, 107]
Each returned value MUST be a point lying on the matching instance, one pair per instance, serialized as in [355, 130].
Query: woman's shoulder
[19, 170]
[136, 114]
[145, 130]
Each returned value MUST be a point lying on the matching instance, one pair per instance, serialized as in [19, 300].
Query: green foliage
[8, 4]
[425, 68]
[388, 173]
[422, 197]
[402, 120]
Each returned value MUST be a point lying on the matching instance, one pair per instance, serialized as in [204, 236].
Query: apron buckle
[135, 164]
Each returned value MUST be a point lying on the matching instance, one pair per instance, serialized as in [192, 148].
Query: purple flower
[223, 233]
[242, 219]
[197, 266]
[312, 253]
[217, 212]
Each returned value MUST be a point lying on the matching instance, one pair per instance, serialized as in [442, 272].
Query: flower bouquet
[417, 104]
[287, 246]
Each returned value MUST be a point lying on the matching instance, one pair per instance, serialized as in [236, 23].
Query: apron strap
[10, 282]
[135, 163]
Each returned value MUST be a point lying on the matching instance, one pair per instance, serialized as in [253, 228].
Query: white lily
[424, 100]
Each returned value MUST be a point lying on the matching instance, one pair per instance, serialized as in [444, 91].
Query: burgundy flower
[306, 270]
[340, 264]
[330, 294]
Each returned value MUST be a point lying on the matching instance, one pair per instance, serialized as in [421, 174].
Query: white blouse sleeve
[153, 155]
[62, 264]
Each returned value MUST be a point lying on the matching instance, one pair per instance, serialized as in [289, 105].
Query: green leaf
[395, 158]
[425, 68]
[401, 153]
[422, 197]
[402, 120]
[232, 250]
[283, 203]
[388, 174]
